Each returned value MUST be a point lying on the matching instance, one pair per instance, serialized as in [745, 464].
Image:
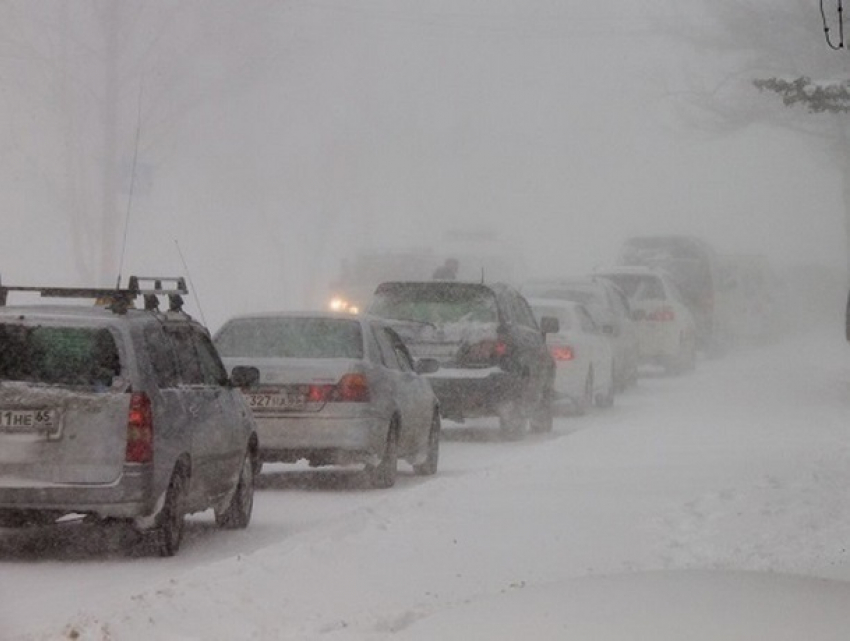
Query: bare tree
[93, 74]
[769, 51]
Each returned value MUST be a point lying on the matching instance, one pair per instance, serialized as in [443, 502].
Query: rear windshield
[639, 287]
[58, 355]
[566, 321]
[291, 338]
[437, 303]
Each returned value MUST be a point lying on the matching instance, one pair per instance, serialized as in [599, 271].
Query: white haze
[305, 131]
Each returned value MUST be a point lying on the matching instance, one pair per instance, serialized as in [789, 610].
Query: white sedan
[335, 389]
[584, 358]
[666, 327]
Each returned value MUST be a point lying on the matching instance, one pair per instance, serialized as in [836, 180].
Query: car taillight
[319, 393]
[139, 429]
[664, 314]
[562, 353]
[352, 388]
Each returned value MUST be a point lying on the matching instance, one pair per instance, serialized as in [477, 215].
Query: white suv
[120, 413]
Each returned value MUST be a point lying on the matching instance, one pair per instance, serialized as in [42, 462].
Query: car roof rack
[117, 299]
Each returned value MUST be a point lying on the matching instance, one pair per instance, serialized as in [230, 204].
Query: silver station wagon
[118, 413]
[335, 389]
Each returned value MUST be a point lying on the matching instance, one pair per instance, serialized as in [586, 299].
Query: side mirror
[550, 325]
[243, 376]
[427, 365]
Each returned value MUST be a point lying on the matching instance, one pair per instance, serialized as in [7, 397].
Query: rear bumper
[128, 497]
[474, 393]
[658, 341]
[322, 440]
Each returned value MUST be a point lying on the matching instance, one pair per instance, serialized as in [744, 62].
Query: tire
[237, 514]
[542, 420]
[429, 466]
[383, 475]
[172, 519]
[583, 404]
[607, 399]
[512, 421]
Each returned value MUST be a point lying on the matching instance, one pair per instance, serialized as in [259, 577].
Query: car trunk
[292, 384]
[451, 344]
[55, 434]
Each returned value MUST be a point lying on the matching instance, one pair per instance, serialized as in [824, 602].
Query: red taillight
[562, 353]
[665, 314]
[319, 393]
[352, 388]
[139, 429]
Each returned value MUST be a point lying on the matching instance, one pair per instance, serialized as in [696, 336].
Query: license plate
[276, 401]
[27, 420]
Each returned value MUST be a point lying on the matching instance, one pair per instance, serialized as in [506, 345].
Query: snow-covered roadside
[742, 465]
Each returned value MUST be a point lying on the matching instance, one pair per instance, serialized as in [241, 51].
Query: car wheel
[607, 399]
[237, 514]
[586, 399]
[172, 519]
[512, 420]
[542, 420]
[429, 466]
[383, 475]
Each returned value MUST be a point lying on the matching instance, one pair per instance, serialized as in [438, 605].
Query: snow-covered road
[743, 465]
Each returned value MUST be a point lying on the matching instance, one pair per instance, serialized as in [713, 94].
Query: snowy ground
[711, 506]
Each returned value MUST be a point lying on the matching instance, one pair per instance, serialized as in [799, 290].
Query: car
[492, 354]
[609, 307]
[667, 331]
[335, 389]
[695, 268]
[120, 414]
[584, 358]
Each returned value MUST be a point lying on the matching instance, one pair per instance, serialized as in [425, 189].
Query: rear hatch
[63, 406]
[456, 324]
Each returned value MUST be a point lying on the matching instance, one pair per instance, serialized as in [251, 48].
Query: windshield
[639, 287]
[291, 338]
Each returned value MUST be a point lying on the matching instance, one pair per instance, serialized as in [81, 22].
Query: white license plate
[27, 420]
[276, 401]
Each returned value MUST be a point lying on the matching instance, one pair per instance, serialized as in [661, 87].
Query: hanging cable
[829, 42]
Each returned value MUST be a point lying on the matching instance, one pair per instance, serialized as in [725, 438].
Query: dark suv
[120, 414]
[492, 353]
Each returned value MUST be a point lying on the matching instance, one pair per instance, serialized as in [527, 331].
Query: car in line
[584, 359]
[667, 331]
[120, 414]
[335, 389]
[609, 307]
[492, 354]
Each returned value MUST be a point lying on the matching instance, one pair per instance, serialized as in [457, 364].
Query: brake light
[352, 388]
[562, 353]
[139, 429]
[319, 393]
[664, 314]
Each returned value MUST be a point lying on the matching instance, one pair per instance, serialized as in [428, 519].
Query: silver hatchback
[119, 413]
[335, 389]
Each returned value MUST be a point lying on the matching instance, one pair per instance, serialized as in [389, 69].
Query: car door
[417, 390]
[533, 354]
[401, 383]
[200, 397]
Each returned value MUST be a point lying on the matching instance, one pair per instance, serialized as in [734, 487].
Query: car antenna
[132, 187]
[482, 275]
[191, 284]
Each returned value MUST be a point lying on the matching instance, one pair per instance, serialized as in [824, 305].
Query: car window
[400, 350]
[188, 364]
[435, 303]
[58, 355]
[385, 346]
[585, 320]
[162, 357]
[522, 312]
[212, 370]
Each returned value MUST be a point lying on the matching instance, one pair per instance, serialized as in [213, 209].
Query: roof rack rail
[118, 300]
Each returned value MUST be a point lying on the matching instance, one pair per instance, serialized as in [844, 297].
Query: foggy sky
[376, 124]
